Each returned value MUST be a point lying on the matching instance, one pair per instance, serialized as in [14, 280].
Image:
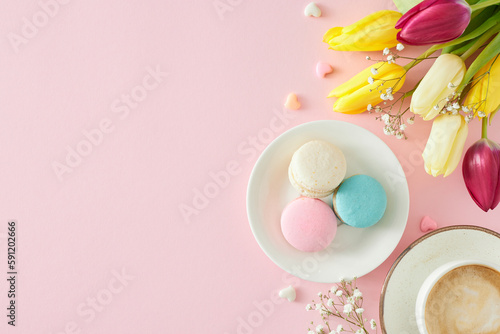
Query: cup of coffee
[461, 296]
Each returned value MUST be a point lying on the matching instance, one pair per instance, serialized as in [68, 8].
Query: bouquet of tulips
[449, 94]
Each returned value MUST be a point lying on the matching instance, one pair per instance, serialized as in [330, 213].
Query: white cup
[435, 276]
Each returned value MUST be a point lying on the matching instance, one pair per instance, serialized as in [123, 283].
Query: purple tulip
[481, 170]
[433, 22]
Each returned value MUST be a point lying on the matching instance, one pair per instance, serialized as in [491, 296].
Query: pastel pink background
[119, 208]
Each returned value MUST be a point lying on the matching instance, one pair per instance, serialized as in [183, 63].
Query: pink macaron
[308, 224]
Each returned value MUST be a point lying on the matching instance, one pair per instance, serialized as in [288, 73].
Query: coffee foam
[465, 300]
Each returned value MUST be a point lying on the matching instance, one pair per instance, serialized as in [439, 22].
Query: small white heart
[288, 293]
[312, 10]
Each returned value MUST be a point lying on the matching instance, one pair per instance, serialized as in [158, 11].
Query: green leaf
[490, 51]
[406, 5]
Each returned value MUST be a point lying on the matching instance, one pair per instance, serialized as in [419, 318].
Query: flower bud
[484, 95]
[430, 96]
[355, 94]
[445, 144]
[374, 32]
[481, 171]
[434, 22]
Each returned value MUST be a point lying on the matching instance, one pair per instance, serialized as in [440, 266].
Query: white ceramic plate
[354, 251]
[409, 271]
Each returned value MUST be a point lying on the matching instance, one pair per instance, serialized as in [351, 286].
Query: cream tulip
[442, 79]
[445, 144]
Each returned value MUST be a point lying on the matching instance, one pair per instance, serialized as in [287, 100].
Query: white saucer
[399, 293]
[354, 251]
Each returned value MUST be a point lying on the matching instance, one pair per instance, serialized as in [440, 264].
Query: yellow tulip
[484, 96]
[439, 82]
[356, 94]
[445, 145]
[374, 32]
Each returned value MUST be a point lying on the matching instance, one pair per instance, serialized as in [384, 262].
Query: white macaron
[317, 168]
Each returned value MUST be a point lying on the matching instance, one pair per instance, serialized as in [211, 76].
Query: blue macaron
[360, 201]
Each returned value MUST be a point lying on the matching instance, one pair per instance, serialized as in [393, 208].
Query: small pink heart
[323, 69]
[428, 224]
[292, 103]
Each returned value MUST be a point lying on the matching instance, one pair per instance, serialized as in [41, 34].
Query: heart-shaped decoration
[312, 10]
[323, 69]
[288, 293]
[428, 224]
[292, 102]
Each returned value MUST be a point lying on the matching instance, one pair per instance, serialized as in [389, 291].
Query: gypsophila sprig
[343, 301]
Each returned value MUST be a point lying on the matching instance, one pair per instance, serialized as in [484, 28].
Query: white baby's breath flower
[356, 293]
[338, 293]
[436, 107]
[311, 332]
[410, 120]
[369, 107]
[400, 47]
[399, 135]
[384, 97]
[309, 307]
[370, 80]
[368, 58]
[402, 127]
[359, 331]
[385, 118]
[374, 71]
[465, 109]
[348, 308]
[373, 324]
[340, 328]
[390, 57]
[317, 306]
[360, 310]
[319, 329]
[481, 114]
[456, 105]
[320, 294]
[334, 289]
[387, 131]
[386, 51]
[329, 302]
[350, 299]
[449, 108]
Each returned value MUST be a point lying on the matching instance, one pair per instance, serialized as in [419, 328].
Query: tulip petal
[496, 198]
[414, 10]
[373, 32]
[332, 33]
[458, 147]
[484, 94]
[481, 171]
[433, 89]
[433, 22]
[355, 94]
[445, 144]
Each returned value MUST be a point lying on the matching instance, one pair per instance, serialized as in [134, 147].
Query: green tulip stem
[423, 56]
[479, 42]
[484, 4]
[484, 128]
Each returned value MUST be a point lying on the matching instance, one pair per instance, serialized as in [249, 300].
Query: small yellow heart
[292, 103]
